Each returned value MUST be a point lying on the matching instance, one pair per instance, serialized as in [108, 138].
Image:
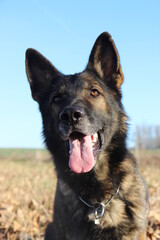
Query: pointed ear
[104, 60]
[40, 73]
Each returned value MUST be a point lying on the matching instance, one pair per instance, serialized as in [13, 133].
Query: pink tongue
[81, 155]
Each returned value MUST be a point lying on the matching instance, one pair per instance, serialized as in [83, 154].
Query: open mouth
[83, 150]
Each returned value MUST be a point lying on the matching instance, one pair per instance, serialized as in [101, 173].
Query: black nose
[72, 115]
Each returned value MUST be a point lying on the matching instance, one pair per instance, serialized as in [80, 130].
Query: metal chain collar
[100, 207]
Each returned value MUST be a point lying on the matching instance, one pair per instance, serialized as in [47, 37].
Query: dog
[100, 193]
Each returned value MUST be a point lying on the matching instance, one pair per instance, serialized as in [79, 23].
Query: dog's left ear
[104, 60]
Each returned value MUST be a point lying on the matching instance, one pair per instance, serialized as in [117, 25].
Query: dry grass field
[27, 186]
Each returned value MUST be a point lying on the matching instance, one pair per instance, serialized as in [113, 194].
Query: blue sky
[65, 31]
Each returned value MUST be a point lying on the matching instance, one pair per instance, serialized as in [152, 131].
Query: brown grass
[27, 187]
[149, 162]
[26, 196]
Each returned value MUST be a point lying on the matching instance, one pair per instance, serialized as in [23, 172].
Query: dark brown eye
[95, 93]
[56, 99]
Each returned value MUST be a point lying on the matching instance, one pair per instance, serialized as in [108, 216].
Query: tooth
[94, 137]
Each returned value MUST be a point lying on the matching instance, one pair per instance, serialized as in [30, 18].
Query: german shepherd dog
[100, 192]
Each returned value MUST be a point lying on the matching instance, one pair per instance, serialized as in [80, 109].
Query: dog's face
[84, 109]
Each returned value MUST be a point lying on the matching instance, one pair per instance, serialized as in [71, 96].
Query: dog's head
[83, 109]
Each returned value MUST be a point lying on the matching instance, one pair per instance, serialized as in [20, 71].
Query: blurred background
[64, 32]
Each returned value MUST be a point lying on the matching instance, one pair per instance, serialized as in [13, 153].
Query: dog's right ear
[40, 73]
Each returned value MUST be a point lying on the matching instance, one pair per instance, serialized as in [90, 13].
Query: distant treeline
[147, 137]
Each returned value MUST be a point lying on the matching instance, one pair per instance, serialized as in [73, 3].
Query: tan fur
[97, 63]
[142, 236]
